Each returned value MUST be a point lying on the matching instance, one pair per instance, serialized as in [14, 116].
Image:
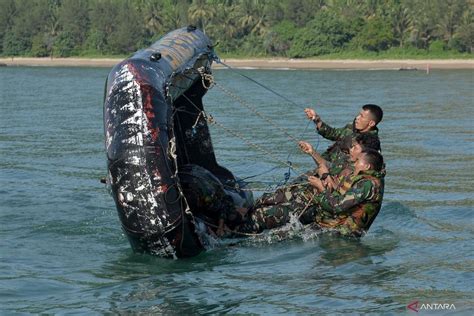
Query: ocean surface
[62, 250]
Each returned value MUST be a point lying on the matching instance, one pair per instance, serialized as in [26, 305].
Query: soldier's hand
[311, 114]
[316, 182]
[306, 147]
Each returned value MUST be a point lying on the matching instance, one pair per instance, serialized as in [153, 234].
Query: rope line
[211, 120]
[219, 61]
[208, 82]
[251, 108]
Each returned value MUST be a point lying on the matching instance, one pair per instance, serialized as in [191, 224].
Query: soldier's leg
[277, 197]
[266, 218]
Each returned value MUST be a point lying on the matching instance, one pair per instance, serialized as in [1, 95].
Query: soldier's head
[368, 118]
[368, 159]
[363, 142]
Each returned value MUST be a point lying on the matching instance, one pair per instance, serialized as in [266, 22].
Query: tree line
[290, 28]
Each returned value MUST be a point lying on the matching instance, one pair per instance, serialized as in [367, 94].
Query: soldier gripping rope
[344, 197]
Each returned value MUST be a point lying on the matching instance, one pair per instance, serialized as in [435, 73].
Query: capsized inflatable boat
[162, 170]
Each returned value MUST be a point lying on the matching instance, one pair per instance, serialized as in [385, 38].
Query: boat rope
[259, 174]
[273, 185]
[258, 147]
[211, 120]
[250, 107]
[208, 82]
[219, 61]
[270, 187]
[310, 201]
[212, 83]
[207, 79]
[257, 113]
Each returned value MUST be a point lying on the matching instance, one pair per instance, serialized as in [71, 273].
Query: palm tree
[152, 12]
[449, 20]
[201, 13]
[423, 13]
[347, 8]
[252, 19]
[52, 25]
[465, 31]
[402, 23]
[223, 26]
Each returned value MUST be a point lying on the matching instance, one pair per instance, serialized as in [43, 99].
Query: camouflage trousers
[275, 209]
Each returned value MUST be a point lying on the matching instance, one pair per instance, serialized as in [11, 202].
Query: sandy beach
[263, 63]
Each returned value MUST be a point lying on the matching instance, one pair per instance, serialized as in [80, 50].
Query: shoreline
[264, 63]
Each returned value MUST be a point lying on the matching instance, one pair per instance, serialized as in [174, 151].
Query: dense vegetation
[290, 28]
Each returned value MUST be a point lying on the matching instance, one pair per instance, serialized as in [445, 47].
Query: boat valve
[155, 56]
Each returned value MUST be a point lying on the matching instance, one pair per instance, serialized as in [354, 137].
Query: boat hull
[154, 126]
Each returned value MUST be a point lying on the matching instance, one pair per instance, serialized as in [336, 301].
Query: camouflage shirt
[352, 208]
[339, 151]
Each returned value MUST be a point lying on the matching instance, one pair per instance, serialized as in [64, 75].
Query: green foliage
[64, 45]
[14, 45]
[376, 35]
[326, 33]
[252, 45]
[291, 28]
[126, 32]
[279, 39]
[463, 38]
[96, 41]
[73, 17]
[437, 46]
[39, 46]
[7, 12]
[301, 11]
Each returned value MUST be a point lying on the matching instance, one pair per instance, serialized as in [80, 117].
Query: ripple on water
[63, 250]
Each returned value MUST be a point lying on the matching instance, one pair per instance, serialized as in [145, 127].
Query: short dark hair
[374, 158]
[375, 110]
[368, 141]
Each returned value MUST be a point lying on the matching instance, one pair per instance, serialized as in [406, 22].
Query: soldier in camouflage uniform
[349, 209]
[344, 165]
[365, 122]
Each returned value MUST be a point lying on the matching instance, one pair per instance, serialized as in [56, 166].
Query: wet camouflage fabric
[343, 137]
[353, 206]
[349, 210]
[274, 209]
[207, 197]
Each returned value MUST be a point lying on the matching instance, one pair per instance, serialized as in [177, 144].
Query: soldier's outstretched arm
[333, 133]
[318, 158]
[324, 129]
[308, 149]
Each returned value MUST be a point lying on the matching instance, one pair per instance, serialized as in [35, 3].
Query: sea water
[62, 250]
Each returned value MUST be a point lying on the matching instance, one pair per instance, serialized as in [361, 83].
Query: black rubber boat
[162, 170]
